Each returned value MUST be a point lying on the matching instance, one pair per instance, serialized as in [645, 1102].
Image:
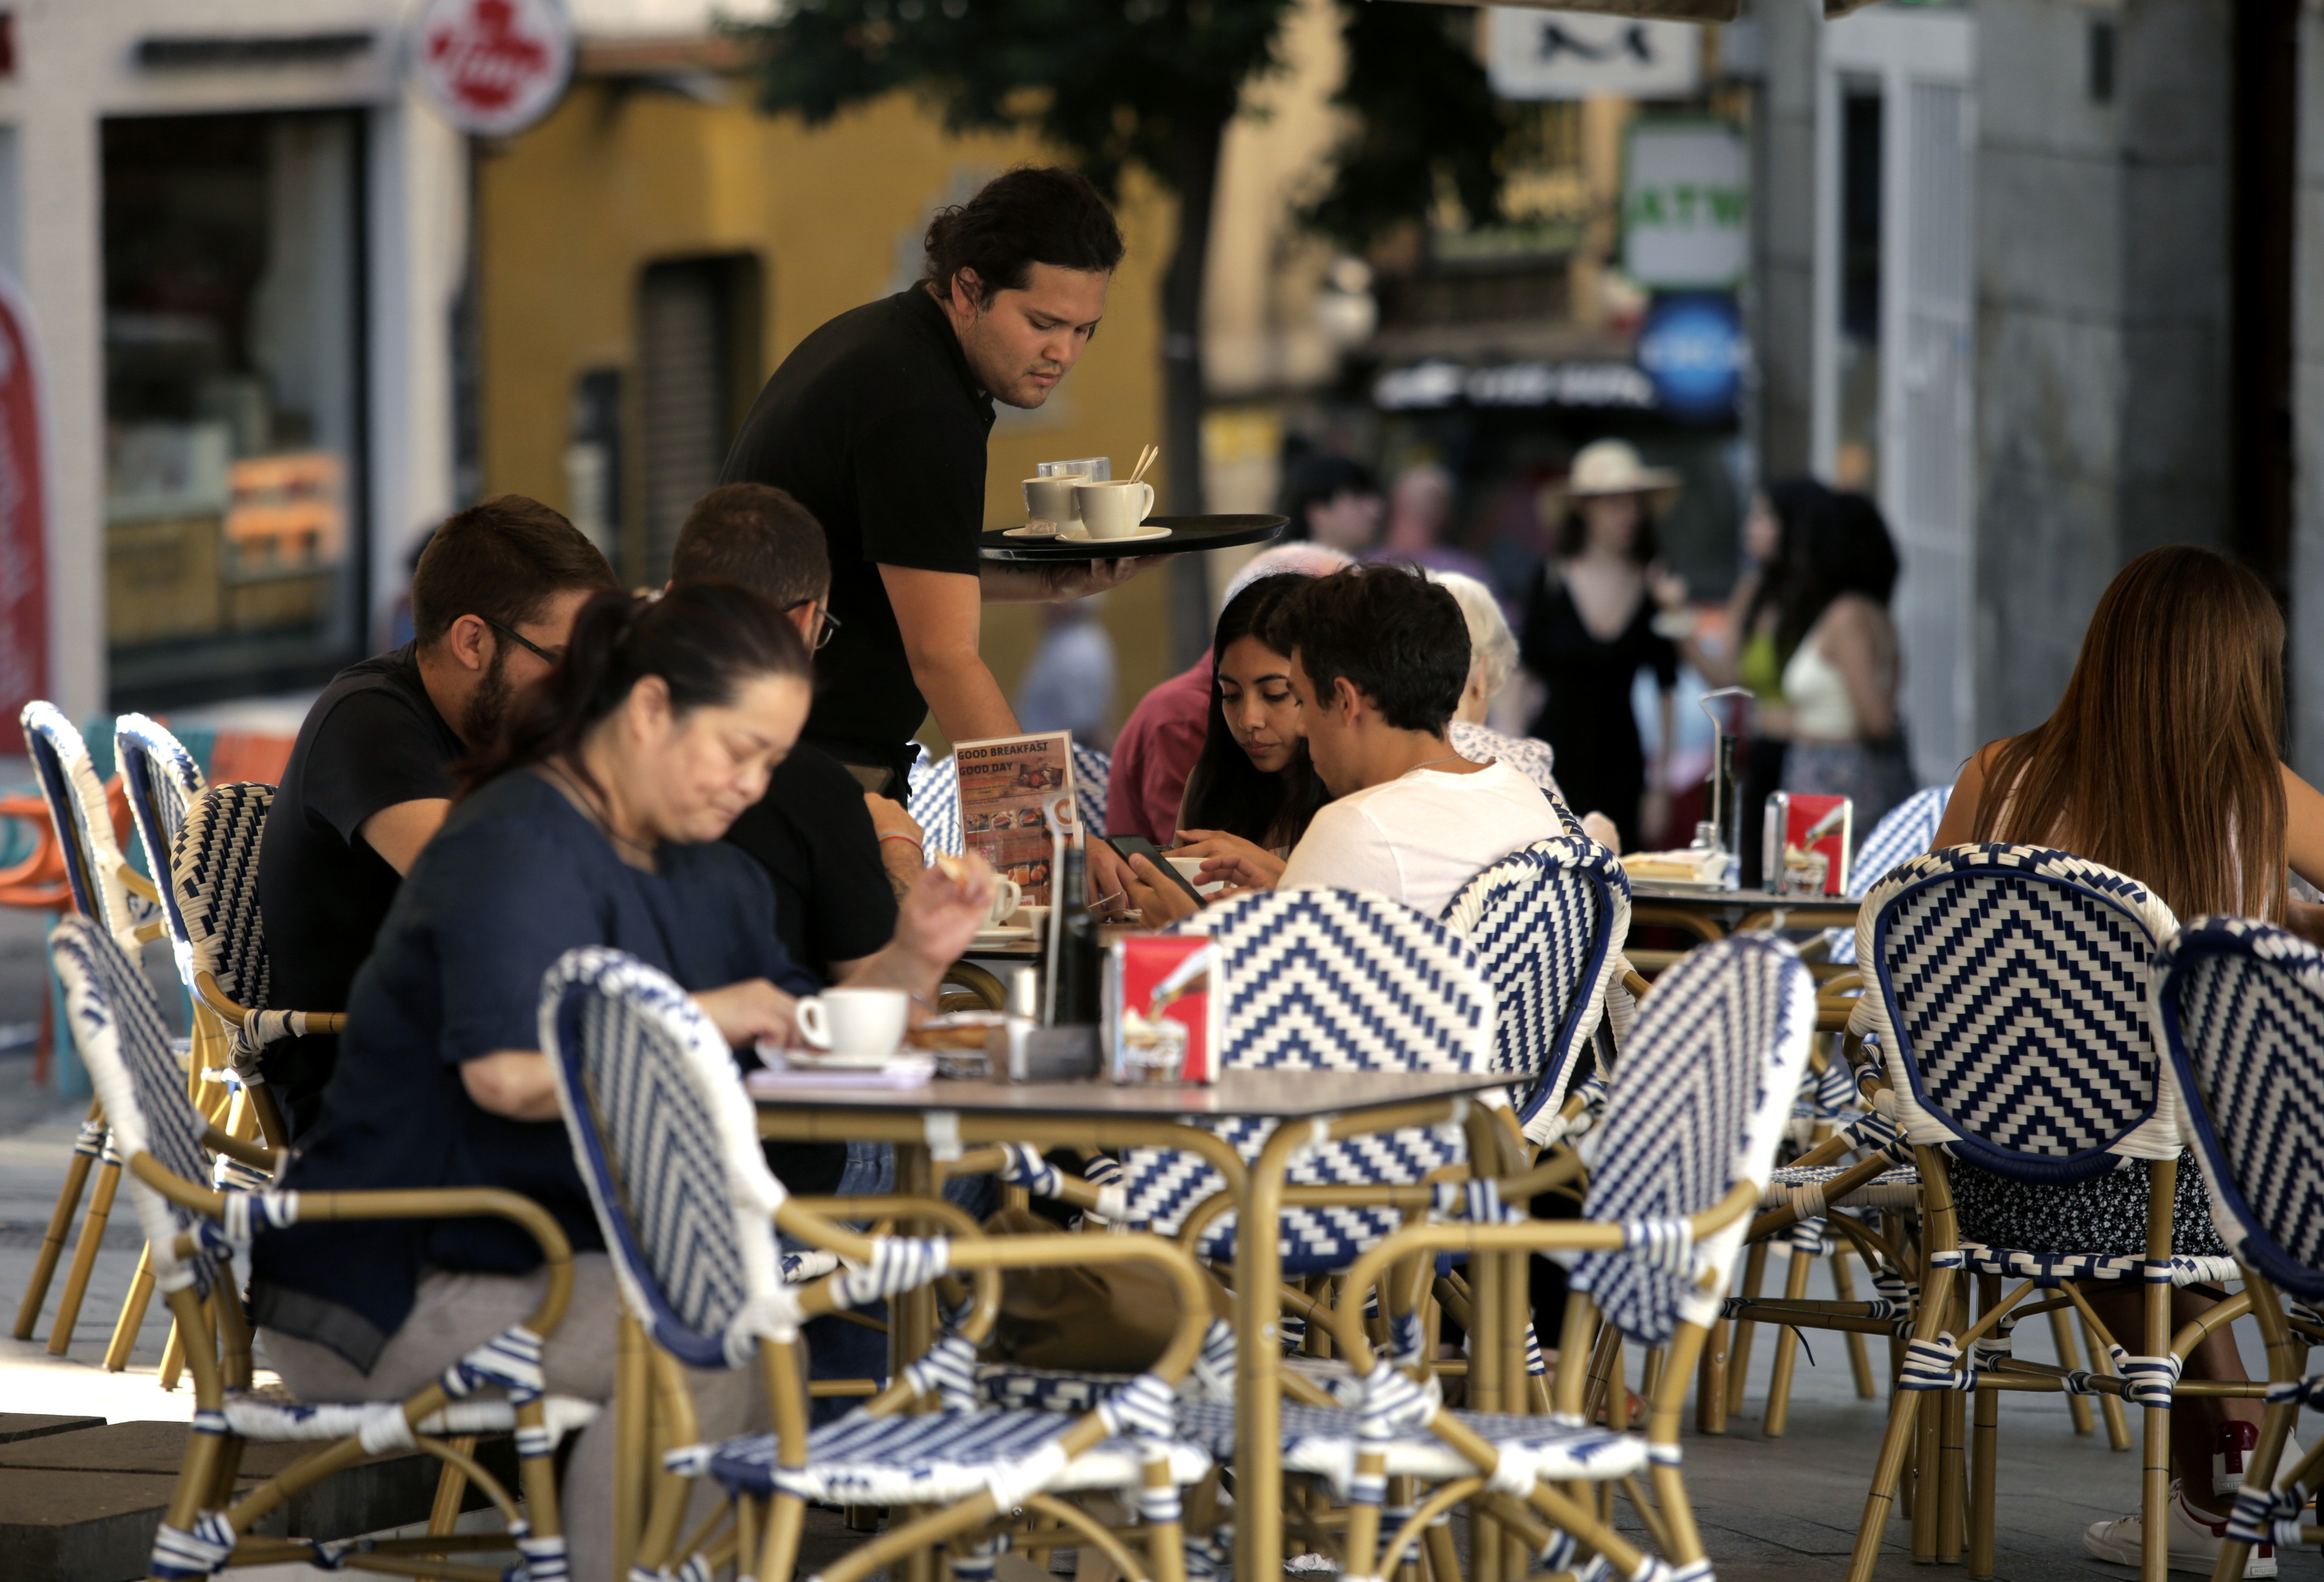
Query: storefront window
[233, 502]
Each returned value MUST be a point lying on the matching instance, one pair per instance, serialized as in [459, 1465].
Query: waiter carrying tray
[877, 423]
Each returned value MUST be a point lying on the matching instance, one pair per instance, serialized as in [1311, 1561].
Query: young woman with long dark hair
[2161, 762]
[594, 820]
[1252, 791]
[1841, 668]
[1753, 656]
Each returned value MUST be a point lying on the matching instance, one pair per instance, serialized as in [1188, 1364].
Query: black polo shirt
[813, 836]
[371, 740]
[875, 424]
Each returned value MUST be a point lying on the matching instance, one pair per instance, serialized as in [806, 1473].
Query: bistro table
[943, 1118]
[1714, 914]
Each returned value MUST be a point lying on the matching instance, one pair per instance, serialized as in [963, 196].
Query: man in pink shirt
[1158, 743]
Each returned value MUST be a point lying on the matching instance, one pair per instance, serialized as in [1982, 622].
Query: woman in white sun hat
[1589, 630]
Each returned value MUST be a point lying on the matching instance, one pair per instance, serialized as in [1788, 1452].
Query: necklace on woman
[591, 809]
[1448, 758]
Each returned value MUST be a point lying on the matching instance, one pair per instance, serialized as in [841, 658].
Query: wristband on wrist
[906, 839]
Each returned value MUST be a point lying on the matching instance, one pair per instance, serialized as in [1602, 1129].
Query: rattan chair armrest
[1532, 1235]
[205, 985]
[985, 1292]
[413, 1203]
[1862, 1173]
[248, 1152]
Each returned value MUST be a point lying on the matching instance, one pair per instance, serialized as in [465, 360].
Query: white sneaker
[2195, 1540]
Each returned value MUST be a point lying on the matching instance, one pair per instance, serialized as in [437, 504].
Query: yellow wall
[572, 212]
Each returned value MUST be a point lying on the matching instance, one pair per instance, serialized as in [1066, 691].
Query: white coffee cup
[1113, 510]
[1005, 894]
[861, 1023]
[1049, 502]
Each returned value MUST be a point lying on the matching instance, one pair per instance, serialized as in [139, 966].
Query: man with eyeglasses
[369, 780]
[839, 856]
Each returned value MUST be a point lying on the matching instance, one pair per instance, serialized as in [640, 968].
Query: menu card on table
[1006, 786]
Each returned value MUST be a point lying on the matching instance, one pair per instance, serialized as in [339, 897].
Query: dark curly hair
[1036, 214]
[1398, 638]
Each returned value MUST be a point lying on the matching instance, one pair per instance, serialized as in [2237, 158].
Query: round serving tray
[1188, 534]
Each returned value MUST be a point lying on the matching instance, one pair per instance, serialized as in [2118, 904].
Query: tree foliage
[1142, 82]
[1424, 121]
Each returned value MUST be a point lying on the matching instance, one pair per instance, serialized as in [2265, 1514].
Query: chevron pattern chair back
[162, 781]
[1328, 980]
[1904, 832]
[77, 805]
[2241, 1005]
[2010, 997]
[666, 1142]
[1699, 1104]
[935, 805]
[214, 889]
[117, 1026]
[1547, 922]
[1093, 774]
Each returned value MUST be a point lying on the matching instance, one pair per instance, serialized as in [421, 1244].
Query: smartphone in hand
[1126, 846]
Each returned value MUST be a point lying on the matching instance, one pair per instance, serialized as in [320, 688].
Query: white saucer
[1119, 537]
[1030, 531]
[994, 935]
[813, 1059]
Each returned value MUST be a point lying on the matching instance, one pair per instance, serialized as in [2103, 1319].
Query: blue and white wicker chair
[193, 1232]
[214, 899]
[2010, 1002]
[1092, 776]
[1904, 832]
[99, 880]
[1696, 1111]
[1831, 1112]
[664, 1137]
[1326, 980]
[2241, 1007]
[102, 885]
[1547, 922]
[935, 805]
[162, 780]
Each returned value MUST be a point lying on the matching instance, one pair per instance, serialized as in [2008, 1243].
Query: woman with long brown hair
[2161, 761]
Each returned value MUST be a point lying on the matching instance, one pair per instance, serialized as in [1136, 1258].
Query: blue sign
[1691, 348]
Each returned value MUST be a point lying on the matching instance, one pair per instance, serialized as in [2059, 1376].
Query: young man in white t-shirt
[1378, 657]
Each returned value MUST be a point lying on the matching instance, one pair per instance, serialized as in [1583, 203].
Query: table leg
[1259, 1355]
[912, 1325]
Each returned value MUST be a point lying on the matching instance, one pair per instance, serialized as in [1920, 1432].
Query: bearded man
[493, 602]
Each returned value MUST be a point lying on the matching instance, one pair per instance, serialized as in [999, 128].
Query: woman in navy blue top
[594, 822]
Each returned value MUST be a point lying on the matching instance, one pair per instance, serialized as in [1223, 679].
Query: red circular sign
[494, 67]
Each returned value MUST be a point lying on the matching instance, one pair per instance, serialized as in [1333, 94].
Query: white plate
[998, 935]
[1030, 532]
[1119, 538]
